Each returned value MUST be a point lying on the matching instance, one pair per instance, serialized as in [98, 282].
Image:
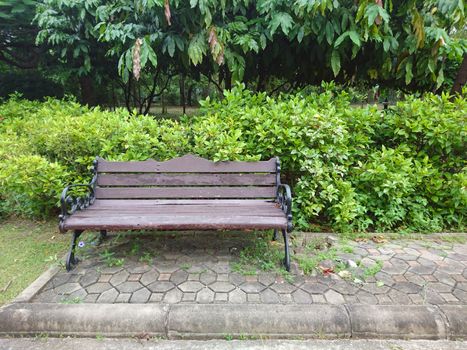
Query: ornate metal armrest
[70, 204]
[284, 198]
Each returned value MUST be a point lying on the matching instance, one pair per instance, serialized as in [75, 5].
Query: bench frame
[70, 204]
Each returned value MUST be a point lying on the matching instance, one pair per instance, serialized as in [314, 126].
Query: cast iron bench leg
[274, 235]
[286, 247]
[70, 259]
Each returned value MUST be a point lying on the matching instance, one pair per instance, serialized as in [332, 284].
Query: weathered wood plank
[117, 203]
[121, 179]
[179, 211]
[175, 222]
[186, 192]
[186, 164]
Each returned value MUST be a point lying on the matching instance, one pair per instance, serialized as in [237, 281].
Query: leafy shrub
[30, 185]
[352, 168]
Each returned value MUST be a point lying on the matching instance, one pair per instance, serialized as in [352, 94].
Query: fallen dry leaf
[379, 239]
[345, 274]
[326, 270]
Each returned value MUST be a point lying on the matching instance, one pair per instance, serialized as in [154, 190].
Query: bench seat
[178, 215]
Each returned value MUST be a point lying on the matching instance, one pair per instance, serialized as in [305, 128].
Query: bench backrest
[187, 177]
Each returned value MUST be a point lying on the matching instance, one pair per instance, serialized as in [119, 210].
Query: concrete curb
[122, 320]
[198, 321]
[207, 321]
[397, 321]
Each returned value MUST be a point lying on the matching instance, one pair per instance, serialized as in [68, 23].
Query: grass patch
[309, 263]
[27, 248]
[373, 270]
[263, 255]
[110, 260]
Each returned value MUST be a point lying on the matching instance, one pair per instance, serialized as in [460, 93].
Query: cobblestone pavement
[200, 268]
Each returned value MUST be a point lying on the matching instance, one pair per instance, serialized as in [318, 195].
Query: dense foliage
[406, 43]
[352, 168]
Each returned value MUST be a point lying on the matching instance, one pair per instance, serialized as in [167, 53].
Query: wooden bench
[186, 193]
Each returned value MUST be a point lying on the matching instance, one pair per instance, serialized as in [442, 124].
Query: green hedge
[351, 168]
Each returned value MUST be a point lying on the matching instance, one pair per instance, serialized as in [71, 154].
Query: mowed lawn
[27, 248]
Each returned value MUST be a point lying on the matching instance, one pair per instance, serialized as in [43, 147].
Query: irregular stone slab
[173, 296]
[396, 321]
[205, 296]
[268, 296]
[129, 287]
[98, 288]
[314, 287]
[108, 297]
[237, 296]
[190, 286]
[179, 277]
[252, 287]
[222, 287]
[90, 277]
[119, 278]
[158, 287]
[216, 320]
[140, 296]
[67, 288]
[149, 277]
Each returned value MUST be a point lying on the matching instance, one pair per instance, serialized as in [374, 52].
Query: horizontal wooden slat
[185, 179]
[126, 203]
[186, 192]
[186, 164]
[175, 222]
[180, 211]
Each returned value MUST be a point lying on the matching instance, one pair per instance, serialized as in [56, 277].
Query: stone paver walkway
[198, 268]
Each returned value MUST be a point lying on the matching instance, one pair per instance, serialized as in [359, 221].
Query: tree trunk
[228, 79]
[164, 107]
[190, 95]
[182, 92]
[461, 78]
[87, 91]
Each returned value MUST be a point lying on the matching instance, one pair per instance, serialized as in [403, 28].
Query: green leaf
[144, 54]
[300, 34]
[170, 44]
[151, 54]
[335, 62]
[179, 42]
[282, 19]
[431, 65]
[340, 39]
[197, 49]
[263, 41]
[355, 37]
[329, 32]
[408, 72]
[386, 45]
[440, 78]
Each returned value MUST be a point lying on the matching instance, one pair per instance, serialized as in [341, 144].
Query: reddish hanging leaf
[137, 58]
[378, 19]
[167, 12]
[217, 49]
